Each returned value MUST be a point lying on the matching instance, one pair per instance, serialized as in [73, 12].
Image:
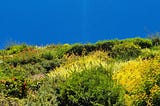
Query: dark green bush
[107, 45]
[50, 64]
[32, 60]
[142, 42]
[125, 51]
[47, 56]
[156, 100]
[89, 88]
[89, 48]
[76, 49]
[155, 39]
[14, 88]
[79, 49]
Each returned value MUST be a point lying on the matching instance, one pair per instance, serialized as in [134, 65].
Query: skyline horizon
[41, 22]
[10, 42]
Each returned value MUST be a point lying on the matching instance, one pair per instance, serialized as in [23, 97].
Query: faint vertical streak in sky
[84, 16]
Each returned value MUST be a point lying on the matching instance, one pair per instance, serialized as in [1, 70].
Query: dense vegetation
[107, 73]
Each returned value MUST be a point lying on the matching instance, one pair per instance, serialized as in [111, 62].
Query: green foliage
[149, 53]
[44, 96]
[75, 79]
[47, 56]
[90, 87]
[50, 65]
[76, 49]
[60, 50]
[25, 57]
[142, 42]
[155, 39]
[6, 71]
[107, 45]
[3, 53]
[89, 48]
[13, 49]
[33, 69]
[140, 78]
[125, 51]
[14, 88]
[8, 101]
[80, 49]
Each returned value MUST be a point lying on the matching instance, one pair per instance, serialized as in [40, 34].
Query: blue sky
[41, 22]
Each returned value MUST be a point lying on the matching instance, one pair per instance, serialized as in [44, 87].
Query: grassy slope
[43, 75]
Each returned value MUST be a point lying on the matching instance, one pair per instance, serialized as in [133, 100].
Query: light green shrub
[125, 51]
[15, 48]
[44, 96]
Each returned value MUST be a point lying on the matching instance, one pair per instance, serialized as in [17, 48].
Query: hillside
[106, 73]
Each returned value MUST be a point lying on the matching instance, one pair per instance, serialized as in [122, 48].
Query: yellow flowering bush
[78, 64]
[141, 81]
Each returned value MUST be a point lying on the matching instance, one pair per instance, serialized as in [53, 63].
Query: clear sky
[41, 22]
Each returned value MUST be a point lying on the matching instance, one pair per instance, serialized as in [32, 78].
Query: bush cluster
[89, 88]
[79, 49]
[111, 46]
[125, 51]
[141, 42]
[82, 74]
[43, 96]
[13, 49]
[155, 39]
[107, 45]
[140, 79]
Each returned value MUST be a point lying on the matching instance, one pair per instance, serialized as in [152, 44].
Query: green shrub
[76, 49]
[60, 50]
[13, 61]
[89, 48]
[47, 56]
[125, 51]
[90, 87]
[155, 39]
[156, 48]
[7, 71]
[7, 101]
[142, 42]
[50, 64]
[79, 49]
[23, 58]
[15, 48]
[107, 45]
[2, 52]
[31, 69]
[14, 87]
[149, 53]
[44, 96]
